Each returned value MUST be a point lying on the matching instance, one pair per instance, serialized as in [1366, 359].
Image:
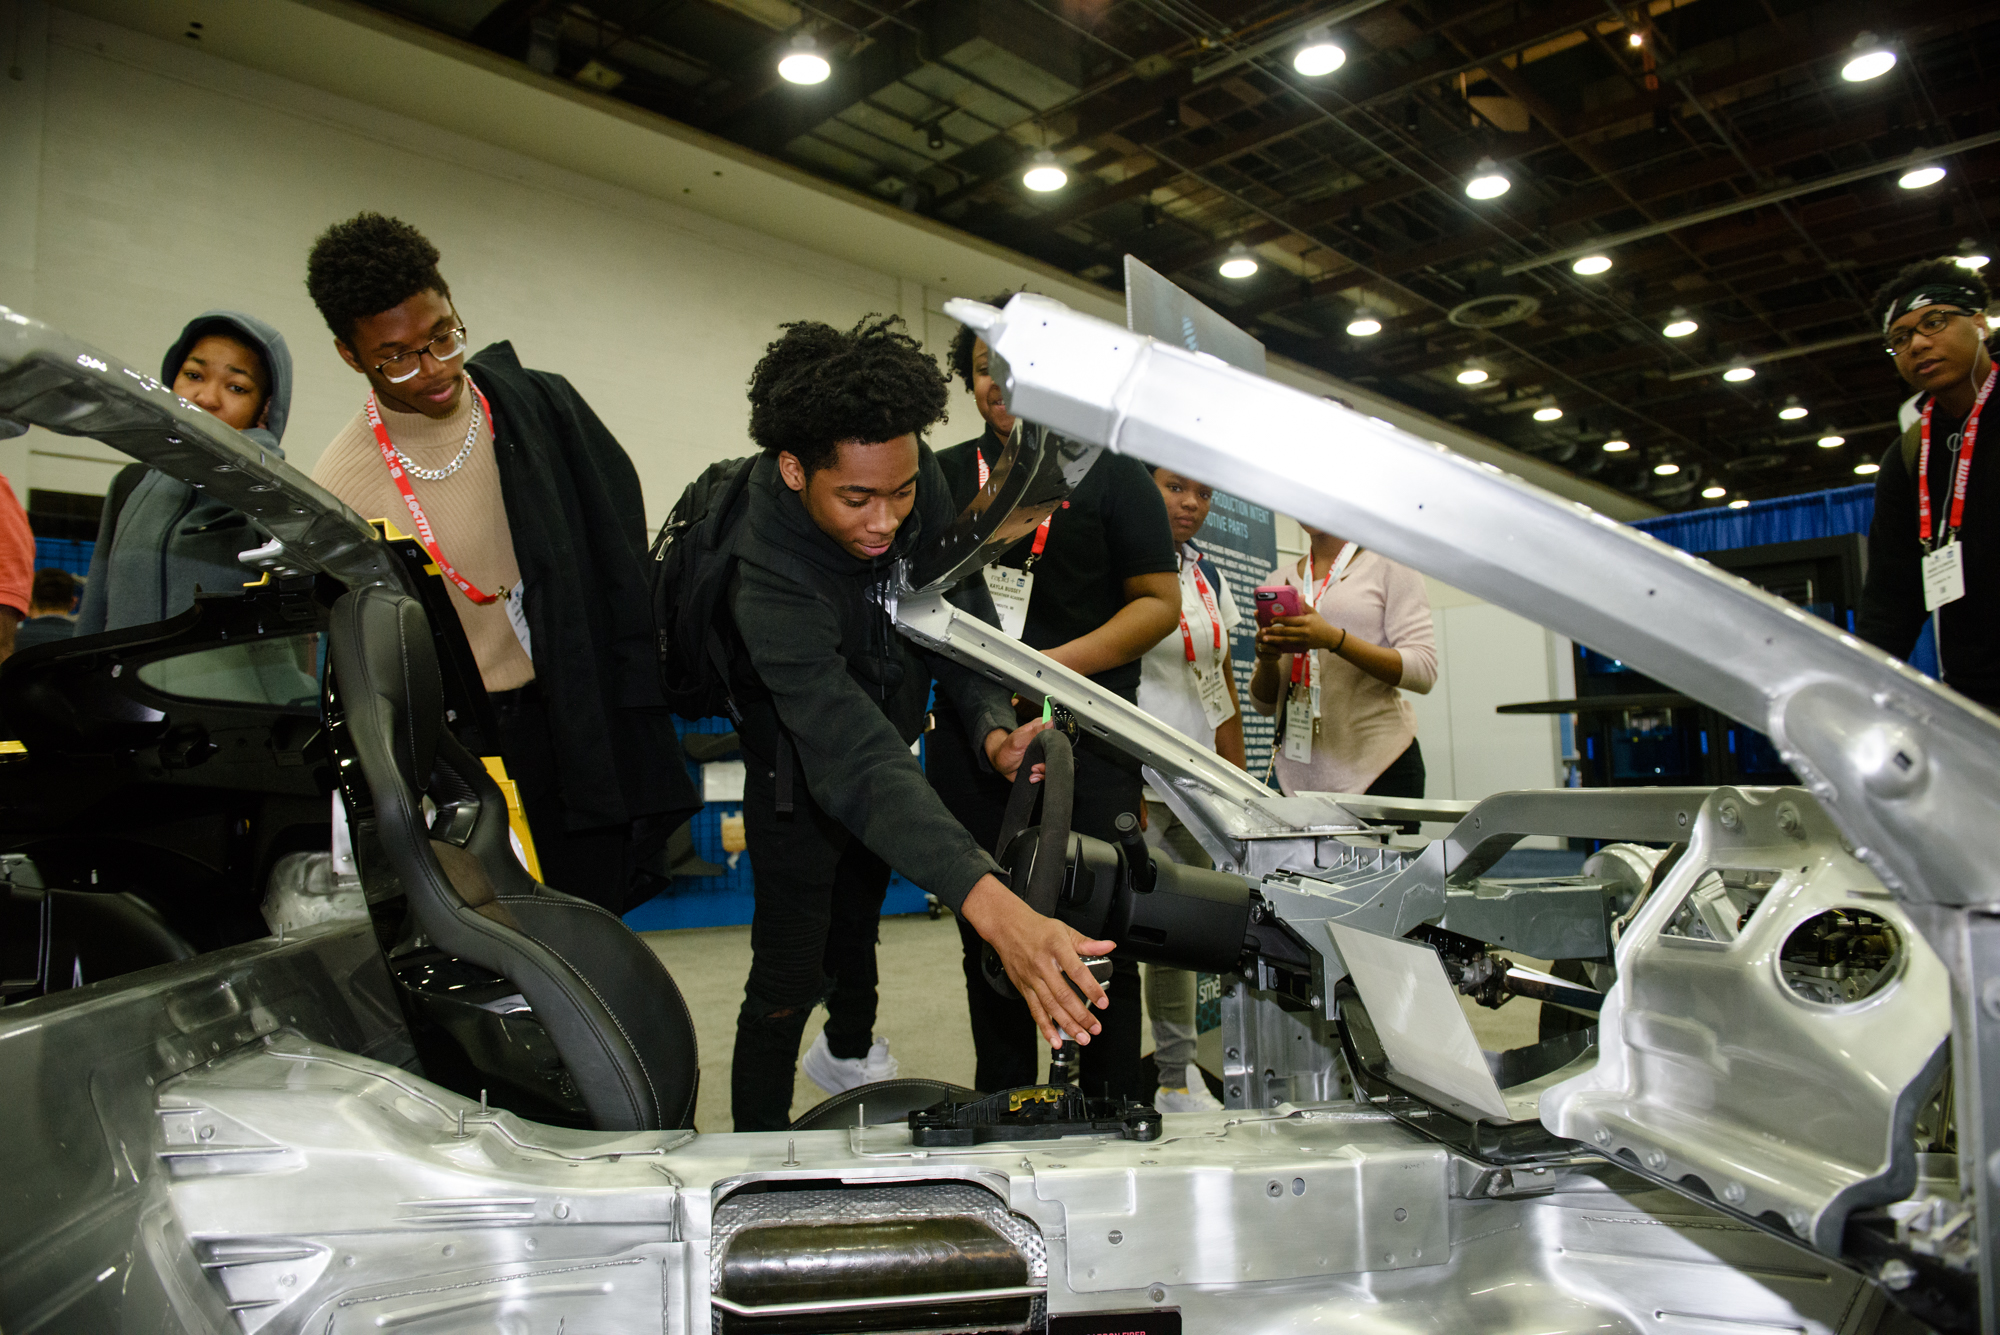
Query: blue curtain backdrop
[1818, 514]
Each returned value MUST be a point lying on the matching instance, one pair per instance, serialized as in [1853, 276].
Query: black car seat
[606, 1001]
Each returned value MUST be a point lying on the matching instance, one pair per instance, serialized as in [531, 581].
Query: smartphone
[1276, 600]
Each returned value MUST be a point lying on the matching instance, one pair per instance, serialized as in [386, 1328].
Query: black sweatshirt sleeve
[856, 765]
[1892, 599]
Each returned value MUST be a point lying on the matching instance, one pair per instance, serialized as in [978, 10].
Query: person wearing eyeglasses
[533, 513]
[158, 539]
[1932, 553]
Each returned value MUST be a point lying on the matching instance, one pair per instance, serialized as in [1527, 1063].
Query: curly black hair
[1923, 273]
[366, 265]
[961, 347]
[817, 387]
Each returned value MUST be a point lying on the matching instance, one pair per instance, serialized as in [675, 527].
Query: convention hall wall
[145, 177]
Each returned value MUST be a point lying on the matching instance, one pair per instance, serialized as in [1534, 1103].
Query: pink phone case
[1276, 600]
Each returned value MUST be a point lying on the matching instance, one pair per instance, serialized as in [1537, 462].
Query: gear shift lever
[1066, 1061]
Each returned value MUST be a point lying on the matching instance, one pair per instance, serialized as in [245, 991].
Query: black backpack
[693, 557]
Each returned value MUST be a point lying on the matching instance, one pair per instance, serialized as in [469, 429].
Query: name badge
[517, 617]
[1213, 688]
[1010, 589]
[1299, 725]
[1944, 576]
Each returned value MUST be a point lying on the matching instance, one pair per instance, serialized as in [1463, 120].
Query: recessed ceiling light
[1488, 181]
[1617, 446]
[1739, 373]
[1972, 260]
[1365, 327]
[1472, 375]
[1044, 174]
[1793, 409]
[1919, 177]
[1863, 470]
[1870, 60]
[1635, 39]
[1237, 264]
[1714, 493]
[803, 63]
[1548, 414]
[1666, 469]
[1320, 55]
[1739, 504]
[1832, 442]
[1591, 265]
[1679, 323]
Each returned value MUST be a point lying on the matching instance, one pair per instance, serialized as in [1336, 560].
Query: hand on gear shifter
[1042, 959]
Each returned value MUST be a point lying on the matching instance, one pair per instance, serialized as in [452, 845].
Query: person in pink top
[1335, 673]
[17, 566]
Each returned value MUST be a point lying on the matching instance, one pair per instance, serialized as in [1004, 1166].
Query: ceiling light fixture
[1666, 469]
[1871, 60]
[1044, 174]
[1238, 263]
[1832, 442]
[1679, 323]
[1739, 373]
[1793, 409]
[1919, 178]
[1739, 504]
[1591, 265]
[1714, 493]
[934, 135]
[1320, 55]
[1473, 375]
[1635, 39]
[803, 63]
[1364, 327]
[1488, 181]
[1970, 256]
[1864, 470]
[1548, 414]
[1617, 446]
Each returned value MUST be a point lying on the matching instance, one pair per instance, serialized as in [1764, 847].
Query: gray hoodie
[165, 540]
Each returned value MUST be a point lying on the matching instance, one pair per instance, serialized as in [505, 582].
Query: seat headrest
[383, 656]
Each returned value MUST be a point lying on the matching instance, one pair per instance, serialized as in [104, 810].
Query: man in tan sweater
[534, 514]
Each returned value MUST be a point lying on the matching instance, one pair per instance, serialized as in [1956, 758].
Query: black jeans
[1004, 1037]
[593, 864]
[812, 938]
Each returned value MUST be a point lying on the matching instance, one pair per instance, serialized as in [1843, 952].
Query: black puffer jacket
[820, 659]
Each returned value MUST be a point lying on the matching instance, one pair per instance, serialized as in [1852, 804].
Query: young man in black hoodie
[1923, 558]
[832, 698]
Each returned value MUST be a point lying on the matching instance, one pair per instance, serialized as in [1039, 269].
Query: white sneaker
[1195, 1098]
[837, 1075]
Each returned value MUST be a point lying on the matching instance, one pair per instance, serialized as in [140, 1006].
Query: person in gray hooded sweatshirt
[159, 540]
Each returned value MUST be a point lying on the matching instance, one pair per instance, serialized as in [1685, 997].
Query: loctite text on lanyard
[1969, 434]
[1333, 574]
[1041, 533]
[417, 519]
[1208, 605]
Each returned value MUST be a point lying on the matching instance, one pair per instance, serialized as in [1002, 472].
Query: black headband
[1931, 294]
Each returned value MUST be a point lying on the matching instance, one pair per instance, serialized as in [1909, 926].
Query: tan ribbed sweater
[467, 515]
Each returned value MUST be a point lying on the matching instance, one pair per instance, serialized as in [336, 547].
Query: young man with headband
[831, 699]
[1932, 550]
[533, 512]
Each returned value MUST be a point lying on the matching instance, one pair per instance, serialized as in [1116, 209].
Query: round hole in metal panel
[1840, 956]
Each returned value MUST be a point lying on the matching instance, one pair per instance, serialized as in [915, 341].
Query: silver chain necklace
[440, 474]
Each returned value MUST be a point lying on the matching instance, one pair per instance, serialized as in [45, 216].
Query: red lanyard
[1959, 474]
[1208, 605]
[1332, 573]
[423, 525]
[1042, 533]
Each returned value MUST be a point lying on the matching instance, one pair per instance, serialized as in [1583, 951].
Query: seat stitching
[623, 1033]
[673, 988]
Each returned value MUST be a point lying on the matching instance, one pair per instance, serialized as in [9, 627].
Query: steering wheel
[1044, 878]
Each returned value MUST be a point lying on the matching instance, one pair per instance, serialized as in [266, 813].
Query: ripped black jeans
[812, 939]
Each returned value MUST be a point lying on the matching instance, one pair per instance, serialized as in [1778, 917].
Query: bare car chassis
[1753, 1136]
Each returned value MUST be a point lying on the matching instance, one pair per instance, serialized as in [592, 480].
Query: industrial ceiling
[1711, 150]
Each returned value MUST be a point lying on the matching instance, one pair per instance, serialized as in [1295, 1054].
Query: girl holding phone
[1342, 633]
